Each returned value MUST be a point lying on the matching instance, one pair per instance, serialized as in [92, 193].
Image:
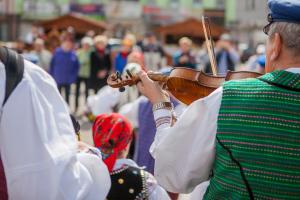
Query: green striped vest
[259, 125]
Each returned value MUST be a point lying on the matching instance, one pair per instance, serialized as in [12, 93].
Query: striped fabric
[259, 122]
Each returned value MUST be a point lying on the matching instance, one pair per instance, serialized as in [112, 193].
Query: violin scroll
[116, 80]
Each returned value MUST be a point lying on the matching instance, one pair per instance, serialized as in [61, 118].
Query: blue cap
[284, 11]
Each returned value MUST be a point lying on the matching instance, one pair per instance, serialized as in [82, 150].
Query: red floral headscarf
[111, 134]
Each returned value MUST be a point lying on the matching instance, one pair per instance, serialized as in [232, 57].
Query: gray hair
[290, 34]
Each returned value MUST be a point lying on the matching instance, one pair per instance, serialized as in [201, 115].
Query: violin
[185, 84]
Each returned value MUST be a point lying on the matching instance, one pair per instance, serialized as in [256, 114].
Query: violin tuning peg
[129, 73]
[119, 76]
[122, 89]
[114, 78]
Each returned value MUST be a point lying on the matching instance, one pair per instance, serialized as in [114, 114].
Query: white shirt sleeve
[130, 111]
[99, 175]
[184, 153]
[38, 145]
[199, 192]
[104, 101]
[179, 109]
[155, 191]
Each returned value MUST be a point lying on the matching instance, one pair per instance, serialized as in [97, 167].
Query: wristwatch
[162, 105]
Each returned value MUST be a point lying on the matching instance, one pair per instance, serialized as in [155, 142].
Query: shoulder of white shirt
[295, 70]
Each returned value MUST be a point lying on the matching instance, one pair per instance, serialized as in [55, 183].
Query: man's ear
[276, 46]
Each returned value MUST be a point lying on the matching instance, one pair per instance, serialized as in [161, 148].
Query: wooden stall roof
[79, 22]
[190, 27]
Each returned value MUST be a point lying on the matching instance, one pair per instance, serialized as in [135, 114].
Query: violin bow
[209, 45]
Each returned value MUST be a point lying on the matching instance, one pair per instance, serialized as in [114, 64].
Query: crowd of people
[239, 142]
[89, 60]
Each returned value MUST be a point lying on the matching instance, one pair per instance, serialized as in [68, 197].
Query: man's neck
[286, 60]
[286, 65]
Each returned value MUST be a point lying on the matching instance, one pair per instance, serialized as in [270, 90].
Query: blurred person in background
[30, 57]
[253, 64]
[135, 63]
[84, 57]
[34, 33]
[261, 60]
[121, 57]
[44, 56]
[131, 37]
[153, 53]
[185, 57]
[90, 34]
[112, 135]
[53, 39]
[100, 63]
[20, 47]
[138, 58]
[108, 99]
[64, 67]
[227, 56]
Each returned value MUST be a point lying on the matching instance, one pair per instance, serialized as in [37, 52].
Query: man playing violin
[244, 137]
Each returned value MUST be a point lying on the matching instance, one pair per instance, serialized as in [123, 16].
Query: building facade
[137, 16]
[9, 19]
[247, 19]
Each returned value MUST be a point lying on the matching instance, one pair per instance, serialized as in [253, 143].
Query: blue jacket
[64, 66]
[120, 62]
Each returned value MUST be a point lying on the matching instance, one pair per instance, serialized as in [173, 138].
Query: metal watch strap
[162, 105]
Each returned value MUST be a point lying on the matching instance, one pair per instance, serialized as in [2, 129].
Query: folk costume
[112, 134]
[139, 113]
[38, 145]
[244, 137]
[253, 121]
